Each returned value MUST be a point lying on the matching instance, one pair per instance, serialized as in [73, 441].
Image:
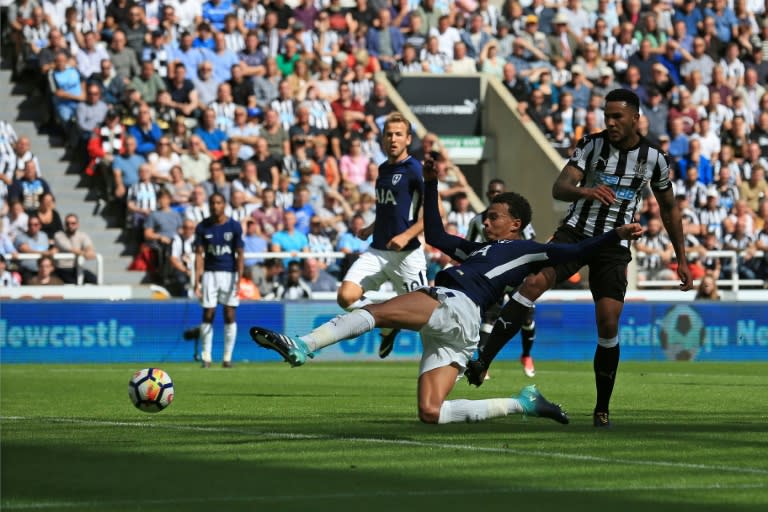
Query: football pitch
[345, 436]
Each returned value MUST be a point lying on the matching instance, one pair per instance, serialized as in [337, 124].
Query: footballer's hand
[398, 242]
[429, 169]
[601, 193]
[630, 231]
[475, 373]
[686, 279]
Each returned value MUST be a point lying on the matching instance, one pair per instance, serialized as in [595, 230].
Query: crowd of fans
[276, 107]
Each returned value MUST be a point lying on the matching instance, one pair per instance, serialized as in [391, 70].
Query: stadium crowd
[276, 108]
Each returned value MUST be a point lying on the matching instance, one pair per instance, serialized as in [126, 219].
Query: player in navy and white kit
[448, 315]
[218, 267]
[395, 255]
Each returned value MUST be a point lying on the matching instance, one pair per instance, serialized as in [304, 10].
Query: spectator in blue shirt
[145, 131]
[222, 58]
[212, 136]
[125, 167]
[214, 12]
[725, 20]
[690, 14]
[253, 242]
[290, 239]
[67, 87]
[385, 42]
[188, 55]
[302, 208]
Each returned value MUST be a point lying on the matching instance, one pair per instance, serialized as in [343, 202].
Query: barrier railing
[735, 282]
[79, 263]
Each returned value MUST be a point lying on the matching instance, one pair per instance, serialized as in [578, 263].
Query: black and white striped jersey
[626, 172]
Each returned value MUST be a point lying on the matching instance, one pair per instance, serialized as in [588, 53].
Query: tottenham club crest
[396, 178]
[228, 236]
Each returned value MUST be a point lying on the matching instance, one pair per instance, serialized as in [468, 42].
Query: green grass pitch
[344, 436]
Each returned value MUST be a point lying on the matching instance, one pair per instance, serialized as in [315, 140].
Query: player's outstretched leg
[294, 351]
[534, 404]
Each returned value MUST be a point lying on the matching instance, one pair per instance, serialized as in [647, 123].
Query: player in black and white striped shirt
[603, 179]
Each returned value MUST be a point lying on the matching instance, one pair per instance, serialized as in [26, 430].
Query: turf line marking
[40, 505]
[397, 442]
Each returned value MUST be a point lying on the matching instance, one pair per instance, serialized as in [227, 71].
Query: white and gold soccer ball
[151, 390]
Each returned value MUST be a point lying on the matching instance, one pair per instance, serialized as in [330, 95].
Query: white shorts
[452, 333]
[218, 287]
[407, 270]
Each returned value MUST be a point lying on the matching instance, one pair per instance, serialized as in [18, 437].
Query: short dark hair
[624, 95]
[517, 206]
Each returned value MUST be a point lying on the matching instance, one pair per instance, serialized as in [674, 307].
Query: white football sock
[472, 411]
[206, 340]
[350, 325]
[230, 334]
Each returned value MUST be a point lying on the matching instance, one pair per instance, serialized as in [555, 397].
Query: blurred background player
[395, 254]
[218, 267]
[476, 233]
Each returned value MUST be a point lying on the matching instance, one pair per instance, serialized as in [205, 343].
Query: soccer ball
[150, 390]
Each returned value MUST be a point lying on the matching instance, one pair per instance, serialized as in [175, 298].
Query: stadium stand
[277, 106]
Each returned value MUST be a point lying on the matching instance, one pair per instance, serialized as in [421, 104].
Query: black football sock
[505, 328]
[605, 364]
[528, 335]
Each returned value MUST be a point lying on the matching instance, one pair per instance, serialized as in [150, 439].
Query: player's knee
[346, 298]
[429, 413]
[607, 327]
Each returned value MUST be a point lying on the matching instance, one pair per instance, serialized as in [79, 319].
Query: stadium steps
[27, 111]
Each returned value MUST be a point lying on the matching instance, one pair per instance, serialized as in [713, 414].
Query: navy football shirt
[399, 193]
[220, 243]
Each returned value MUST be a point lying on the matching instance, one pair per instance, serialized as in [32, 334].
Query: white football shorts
[407, 270]
[218, 287]
[452, 333]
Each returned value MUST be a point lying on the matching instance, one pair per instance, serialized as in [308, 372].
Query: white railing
[734, 282]
[79, 263]
[284, 255]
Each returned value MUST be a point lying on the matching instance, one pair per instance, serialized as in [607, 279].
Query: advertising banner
[152, 331]
[445, 105]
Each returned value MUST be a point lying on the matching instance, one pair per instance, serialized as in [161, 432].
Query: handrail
[734, 281]
[79, 262]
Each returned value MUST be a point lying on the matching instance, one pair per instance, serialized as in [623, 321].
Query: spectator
[141, 200]
[710, 142]
[755, 189]
[112, 85]
[217, 182]
[490, 61]
[657, 113]
[160, 228]
[248, 184]
[72, 240]
[385, 41]
[45, 275]
[254, 242]
[692, 187]
[90, 115]
[759, 137]
[210, 134]
[159, 53]
[517, 86]
[289, 239]
[179, 188]
[189, 56]
[252, 58]
[686, 111]
[678, 140]
[656, 250]
[433, 59]
[16, 221]
[461, 62]
[699, 60]
[694, 158]
[8, 279]
[181, 258]
[148, 82]
[89, 57]
[707, 289]
[231, 162]
[354, 166]
[410, 61]
[15, 162]
[318, 279]
[564, 43]
[266, 87]
[29, 189]
[123, 59]
[146, 132]
[712, 216]
[67, 87]
[741, 241]
[198, 208]
[268, 216]
[162, 160]
[196, 162]
[50, 219]
[33, 241]
[350, 244]
[294, 287]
